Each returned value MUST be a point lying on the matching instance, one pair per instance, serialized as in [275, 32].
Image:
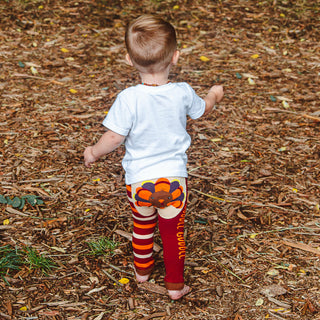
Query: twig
[223, 266]
[112, 278]
[5, 316]
[276, 315]
[40, 180]
[269, 231]
[302, 246]
[21, 75]
[120, 270]
[258, 204]
[210, 196]
[64, 303]
[279, 303]
[14, 211]
[6, 227]
[295, 113]
[200, 176]
[155, 315]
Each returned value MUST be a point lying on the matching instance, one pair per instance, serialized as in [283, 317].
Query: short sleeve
[119, 118]
[197, 105]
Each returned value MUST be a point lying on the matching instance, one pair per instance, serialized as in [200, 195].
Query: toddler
[150, 118]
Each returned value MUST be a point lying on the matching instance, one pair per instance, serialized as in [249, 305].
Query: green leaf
[39, 201]
[3, 199]
[23, 202]
[31, 199]
[9, 201]
[16, 202]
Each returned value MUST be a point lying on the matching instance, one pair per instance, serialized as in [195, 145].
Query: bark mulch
[253, 221]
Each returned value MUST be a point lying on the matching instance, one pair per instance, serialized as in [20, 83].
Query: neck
[158, 79]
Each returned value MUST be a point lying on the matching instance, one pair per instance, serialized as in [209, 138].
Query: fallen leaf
[273, 290]
[285, 104]
[58, 249]
[34, 71]
[273, 272]
[124, 280]
[204, 59]
[259, 302]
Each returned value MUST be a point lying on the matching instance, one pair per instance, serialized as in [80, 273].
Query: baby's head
[151, 43]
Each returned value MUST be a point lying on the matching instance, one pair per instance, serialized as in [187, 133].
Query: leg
[142, 239]
[171, 227]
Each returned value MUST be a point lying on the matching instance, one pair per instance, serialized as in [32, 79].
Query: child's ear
[128, 59]
[175, 57]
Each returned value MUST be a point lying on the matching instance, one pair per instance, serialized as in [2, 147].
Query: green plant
[10, 259]
[35, 260]
[19, 203]
[102, 246]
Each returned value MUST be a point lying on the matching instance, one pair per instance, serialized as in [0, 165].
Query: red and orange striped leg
[142, 242]
[142, 237]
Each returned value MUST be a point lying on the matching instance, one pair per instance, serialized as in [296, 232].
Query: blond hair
[151, 42]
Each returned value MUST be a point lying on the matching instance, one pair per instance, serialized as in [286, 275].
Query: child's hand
[214, 96]
[89, 158]
[218, 92]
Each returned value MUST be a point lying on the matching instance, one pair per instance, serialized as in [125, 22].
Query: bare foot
[141, 278]
[177, 294]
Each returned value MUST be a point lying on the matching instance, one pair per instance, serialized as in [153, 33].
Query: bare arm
[107, 143]
[214, 96]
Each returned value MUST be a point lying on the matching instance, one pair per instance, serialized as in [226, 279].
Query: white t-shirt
[153, 119]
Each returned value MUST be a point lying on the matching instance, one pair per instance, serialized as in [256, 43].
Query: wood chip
[302, 246]
[273, 290]
[152, 287]
[155, 315]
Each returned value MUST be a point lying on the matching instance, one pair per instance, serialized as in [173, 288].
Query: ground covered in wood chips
[253, 220]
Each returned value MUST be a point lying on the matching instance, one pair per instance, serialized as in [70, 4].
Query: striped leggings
[161, 201]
